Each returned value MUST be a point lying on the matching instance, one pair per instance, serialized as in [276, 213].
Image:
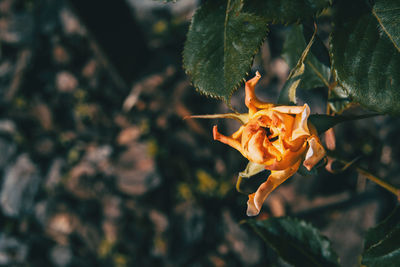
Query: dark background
[98, 167]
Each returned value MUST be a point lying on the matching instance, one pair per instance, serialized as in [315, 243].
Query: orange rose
[277, 137]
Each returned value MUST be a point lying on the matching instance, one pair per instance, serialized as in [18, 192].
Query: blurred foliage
[164, 195]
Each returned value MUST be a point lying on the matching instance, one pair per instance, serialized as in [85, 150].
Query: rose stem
[374, 179]
[379, 181]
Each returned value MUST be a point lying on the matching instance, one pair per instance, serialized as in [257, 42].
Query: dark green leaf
[296, 242]
[387, 12]
[287, 95]
[315, 74]
[286, 11]
[382, 246]
[339, 99]
[324, 122]
[220, 46]
[318, 49]
[365, 59]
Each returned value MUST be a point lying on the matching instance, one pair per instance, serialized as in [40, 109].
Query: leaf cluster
[362, 61]
[301, 244]
[360, 65]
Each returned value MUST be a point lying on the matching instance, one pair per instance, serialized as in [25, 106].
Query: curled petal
[289, 159]
[256, 150]
[289, 109]
[251, 100]
[257, 199]
[300, 127]
[252, 210]
[231, 141]
[314, 153]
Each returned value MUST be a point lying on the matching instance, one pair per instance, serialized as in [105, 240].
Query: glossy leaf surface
[297, 242]
[286, 11]
[315, 74]
[220, 47]
[382, 246]
[365, 58]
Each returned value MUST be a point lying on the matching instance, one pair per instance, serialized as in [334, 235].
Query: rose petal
[257, 199]
[300, 127]
[251, 100]
[227, 140]
[289, 109]
[314, 154]
[251, 208]
[255, 147]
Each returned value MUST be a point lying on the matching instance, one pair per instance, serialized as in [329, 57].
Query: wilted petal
[227, 140]
[276, 138]
[257, 199]
[289, 109]
[314, 154]
[256, 150]
[300, 127]
[252, 210]
[251, 100]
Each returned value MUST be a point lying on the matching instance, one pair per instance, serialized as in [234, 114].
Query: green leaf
[287, 95]
[382, 246]
[387, 12]
[323, 122]
[296, 242]
[339, 99]
[318, 49]
[365, 59]
[286, 11]
[315, 74]
[220, 46]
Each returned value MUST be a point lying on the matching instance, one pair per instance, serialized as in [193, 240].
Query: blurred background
[98, 167]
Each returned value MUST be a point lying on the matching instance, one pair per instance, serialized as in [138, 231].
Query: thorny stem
[389, 187]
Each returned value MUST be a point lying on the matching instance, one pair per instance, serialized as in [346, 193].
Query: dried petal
[257, 199]
[314, 154]
[277, 138]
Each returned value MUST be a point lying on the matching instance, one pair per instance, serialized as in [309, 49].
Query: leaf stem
[389, 187]
[320, 76]
[379, 181]
[385, 30]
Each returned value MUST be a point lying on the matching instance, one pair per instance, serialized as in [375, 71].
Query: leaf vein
[385, 30]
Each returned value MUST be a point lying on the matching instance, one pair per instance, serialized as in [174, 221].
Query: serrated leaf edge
[235, 88]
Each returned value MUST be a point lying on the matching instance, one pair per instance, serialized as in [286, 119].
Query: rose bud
[278, 137]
